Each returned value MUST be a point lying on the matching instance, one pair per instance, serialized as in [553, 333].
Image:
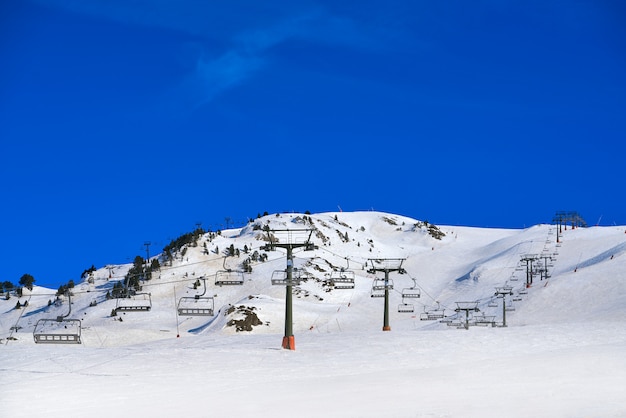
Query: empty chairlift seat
[229, 277]
[197, 305]
[406, 308]
[379, 286]
[433, 314]
[59, 330]
[342, 279]
[139, 302]
[279, 278]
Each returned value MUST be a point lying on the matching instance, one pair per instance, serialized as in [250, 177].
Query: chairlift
[433, 314]
[137, 302]
[377, 293]
[485, 320]
[406, 308]
[60, 330]
[411, 292]
[279, 278]
[197, 305]
[379, 286]
[229, 277]
[455, 323]
[342, 279]
[492, 303]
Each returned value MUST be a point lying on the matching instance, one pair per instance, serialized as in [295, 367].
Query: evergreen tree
[155, 265]
[27, 281]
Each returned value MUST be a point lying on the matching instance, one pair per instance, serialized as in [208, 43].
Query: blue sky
[125, 122]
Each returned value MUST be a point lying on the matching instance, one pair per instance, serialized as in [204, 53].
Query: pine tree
[27, 281]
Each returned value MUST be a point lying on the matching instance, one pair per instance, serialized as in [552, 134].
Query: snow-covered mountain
[558, 356]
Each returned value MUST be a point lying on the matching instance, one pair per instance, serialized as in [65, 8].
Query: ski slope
[561, 354]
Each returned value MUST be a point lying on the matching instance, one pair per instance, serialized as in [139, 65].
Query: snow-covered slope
[428, 368]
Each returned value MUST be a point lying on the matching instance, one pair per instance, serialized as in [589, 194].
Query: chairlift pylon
[60, 330]
[197, 305]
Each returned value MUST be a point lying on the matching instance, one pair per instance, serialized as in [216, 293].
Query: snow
[561, 355]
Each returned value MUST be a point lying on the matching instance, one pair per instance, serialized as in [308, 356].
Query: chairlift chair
[455, 323]
[433, 314]
[379, 286]
[484, 320]
[138, 302]
[406, 308]
[377, 293]
[229, 277]
[197, 305]
[60, 330]
[411, 292]
[493, 303]
[279, 278]
[342, 279]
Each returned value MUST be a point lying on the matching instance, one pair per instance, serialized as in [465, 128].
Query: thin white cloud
[212, 76]
[245, 29]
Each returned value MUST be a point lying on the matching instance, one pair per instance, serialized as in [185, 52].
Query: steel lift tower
[502, 292]
[289, 239]
[386, 265]
[529, 259]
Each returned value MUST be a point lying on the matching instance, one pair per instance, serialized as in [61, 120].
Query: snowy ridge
[560, 324]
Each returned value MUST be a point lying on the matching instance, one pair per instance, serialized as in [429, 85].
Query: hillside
[578, 302]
